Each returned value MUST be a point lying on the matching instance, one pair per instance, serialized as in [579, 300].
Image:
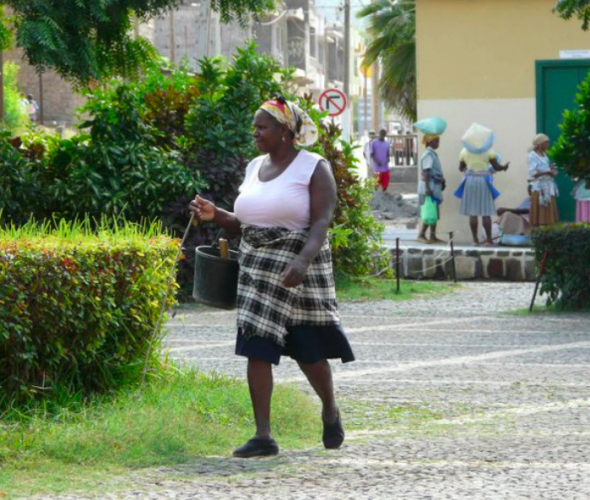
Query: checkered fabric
[265, 307]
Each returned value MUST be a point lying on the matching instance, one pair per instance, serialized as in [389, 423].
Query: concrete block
[465, 267]
[530, 269]
[495, 269]
[514, 271]
[415, 267]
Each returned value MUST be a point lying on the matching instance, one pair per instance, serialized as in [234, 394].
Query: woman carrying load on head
[286, 295]
[432, 183]
[479, 162]
[542, 179]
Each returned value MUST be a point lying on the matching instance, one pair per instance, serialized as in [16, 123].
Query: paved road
[451, 398]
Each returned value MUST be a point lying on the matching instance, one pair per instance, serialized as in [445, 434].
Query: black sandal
[257, 447]
[333, 435]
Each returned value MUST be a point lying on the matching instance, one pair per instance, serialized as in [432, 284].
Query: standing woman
[479, 162]
[432, 184]
[286, 295]
[543, 186]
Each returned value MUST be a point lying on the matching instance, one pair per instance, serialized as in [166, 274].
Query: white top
[281, 202]
[538, 164]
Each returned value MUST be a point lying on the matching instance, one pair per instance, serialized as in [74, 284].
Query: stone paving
[455, 397]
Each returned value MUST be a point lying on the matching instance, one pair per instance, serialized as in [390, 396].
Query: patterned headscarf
[428, 138]
[297, 120]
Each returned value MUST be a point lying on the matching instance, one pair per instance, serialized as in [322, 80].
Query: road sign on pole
[333, 101]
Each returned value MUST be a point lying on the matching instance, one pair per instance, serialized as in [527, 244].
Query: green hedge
[78, 305]
[566, 280]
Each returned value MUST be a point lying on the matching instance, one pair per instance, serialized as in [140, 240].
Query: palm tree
[392, 32]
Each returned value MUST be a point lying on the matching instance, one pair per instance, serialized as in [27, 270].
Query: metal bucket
[216, 279]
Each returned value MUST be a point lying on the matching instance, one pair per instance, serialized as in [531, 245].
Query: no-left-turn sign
[333, 101]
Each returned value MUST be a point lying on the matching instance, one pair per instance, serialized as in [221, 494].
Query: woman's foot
[257, 447]
[422, 239]
[333, 435]
[476, 243]
[490, 243]
[434, 239]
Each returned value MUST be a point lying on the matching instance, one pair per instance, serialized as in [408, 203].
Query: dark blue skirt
[305, 344]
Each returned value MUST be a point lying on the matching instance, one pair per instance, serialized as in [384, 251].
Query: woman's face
[434, 143]
[268, 132]
[544, 146]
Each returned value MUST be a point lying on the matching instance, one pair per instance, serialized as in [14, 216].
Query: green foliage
[566, 280]
[86, 40]
[16, 118]
[392, 41]
[78, 305]
[572, 150]
[118, 168]
[20, 188]
[574, 8]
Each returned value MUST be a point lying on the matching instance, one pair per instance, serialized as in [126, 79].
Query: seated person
[515, 220]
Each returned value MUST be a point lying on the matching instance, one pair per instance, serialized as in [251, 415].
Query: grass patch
[364, 289]
[546, 309]
[56, 450]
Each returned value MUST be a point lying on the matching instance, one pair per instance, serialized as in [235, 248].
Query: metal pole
[172, 41]
[208, 48]
[1, 86]
[347, 49]
[397, 266]
[451, 234]
[41, 100]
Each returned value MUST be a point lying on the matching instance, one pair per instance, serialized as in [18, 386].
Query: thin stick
[397, 256]
[165, 300]
[454, 266]
[541, 272]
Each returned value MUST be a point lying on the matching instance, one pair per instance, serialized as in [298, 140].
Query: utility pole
[347, 49]
[1, 86]
[375, 98]
[172, 42]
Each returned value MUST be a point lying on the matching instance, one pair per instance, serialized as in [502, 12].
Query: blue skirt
[305, 344]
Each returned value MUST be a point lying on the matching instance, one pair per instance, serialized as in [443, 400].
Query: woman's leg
[487, 225]
[422, 234]
[320, 377]
[473, 227]
[260, 383]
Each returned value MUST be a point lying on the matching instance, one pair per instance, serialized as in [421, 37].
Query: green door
[557, 85]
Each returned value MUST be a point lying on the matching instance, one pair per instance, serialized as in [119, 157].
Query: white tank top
[281, 202]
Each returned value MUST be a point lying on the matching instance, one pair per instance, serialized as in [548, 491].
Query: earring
[284, 139]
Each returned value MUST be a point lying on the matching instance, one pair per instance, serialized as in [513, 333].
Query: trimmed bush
[77, 309]
[566, 280]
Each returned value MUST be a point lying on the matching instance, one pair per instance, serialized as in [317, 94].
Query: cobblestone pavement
[453, 398]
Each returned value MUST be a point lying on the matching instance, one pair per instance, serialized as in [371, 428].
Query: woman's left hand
[294, 273]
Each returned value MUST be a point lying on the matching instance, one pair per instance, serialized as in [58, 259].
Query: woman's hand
[203, 209]
[505, 167]
[553, 173]
[294, 273]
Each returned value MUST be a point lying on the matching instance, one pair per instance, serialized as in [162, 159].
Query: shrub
[572, 150]
[20, 188]
[566, 280]
[16, 118]
[77, 309]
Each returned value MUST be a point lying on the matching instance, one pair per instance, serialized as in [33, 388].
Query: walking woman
[286, 296]
[542, 178]
[479, 162]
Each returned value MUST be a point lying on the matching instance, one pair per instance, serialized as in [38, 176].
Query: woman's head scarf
[297, 120]
[538, 140]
